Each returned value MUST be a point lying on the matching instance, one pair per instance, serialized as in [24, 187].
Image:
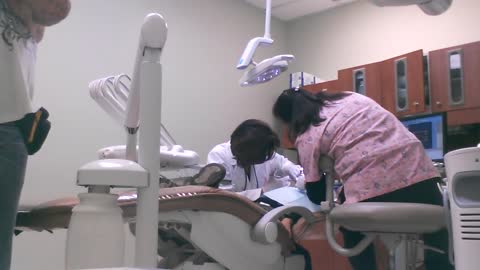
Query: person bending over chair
[376, 157]
[250, 159]
[251, 162]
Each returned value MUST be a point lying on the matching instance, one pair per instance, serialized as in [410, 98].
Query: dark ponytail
[300, 109]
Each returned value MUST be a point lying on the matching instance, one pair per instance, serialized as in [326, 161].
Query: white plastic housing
[266, 70]
[96, 233]
[463, 178]
[112, 172]
[249, 52]
[153, 35]
[170, 157]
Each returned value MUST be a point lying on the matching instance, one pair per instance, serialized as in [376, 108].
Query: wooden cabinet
[331, 86]
[403, 84]
[362, 79]
[412, 84]
[454, 78]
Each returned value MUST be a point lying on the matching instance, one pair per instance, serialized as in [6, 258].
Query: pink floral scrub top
[373, 152]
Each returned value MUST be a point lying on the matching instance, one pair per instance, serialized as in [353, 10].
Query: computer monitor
[431, 130]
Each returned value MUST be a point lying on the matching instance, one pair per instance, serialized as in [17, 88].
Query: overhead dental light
[268, 68]
[430, 7]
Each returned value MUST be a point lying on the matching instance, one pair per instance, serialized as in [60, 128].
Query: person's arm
[285, 167]
[219, 155]
[317, 191]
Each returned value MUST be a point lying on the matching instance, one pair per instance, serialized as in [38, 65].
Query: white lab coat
[273, 173]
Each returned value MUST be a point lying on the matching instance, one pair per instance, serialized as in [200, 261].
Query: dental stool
[405, 221]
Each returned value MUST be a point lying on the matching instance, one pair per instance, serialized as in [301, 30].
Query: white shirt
[17, 78]
[271, 174]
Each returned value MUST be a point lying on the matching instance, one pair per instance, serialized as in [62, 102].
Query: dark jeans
[13, 160]
[425, 192]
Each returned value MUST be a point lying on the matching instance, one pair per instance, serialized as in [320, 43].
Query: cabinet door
[364, 80]
[403, 84]
[455, 84]
[330, 86]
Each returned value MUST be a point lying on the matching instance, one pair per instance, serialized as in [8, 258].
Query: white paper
[292, 196]
[251, 194]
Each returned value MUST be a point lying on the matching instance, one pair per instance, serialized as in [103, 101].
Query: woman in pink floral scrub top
[376, 158]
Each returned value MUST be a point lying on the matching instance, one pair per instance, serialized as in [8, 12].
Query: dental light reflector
[266, 70]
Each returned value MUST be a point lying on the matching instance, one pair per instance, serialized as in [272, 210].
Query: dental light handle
[248, 53]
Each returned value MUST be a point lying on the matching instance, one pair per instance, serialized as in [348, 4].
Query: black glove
[316, 191]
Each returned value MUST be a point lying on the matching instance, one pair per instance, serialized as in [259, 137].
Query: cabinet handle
[416, 103]
[438, 103]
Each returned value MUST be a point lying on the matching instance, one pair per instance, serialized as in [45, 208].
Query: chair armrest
[266, 230]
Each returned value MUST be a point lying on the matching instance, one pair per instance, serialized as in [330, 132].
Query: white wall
[360, 33]
[202, 102]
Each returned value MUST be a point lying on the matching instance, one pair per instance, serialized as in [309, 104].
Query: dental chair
[199, 228]
[403, 221]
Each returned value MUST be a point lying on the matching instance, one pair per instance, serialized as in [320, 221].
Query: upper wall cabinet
[364, 80]
[330, 86]
[403, 84]
[454, 78]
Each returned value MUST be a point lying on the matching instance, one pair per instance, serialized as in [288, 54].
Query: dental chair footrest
[407, 218]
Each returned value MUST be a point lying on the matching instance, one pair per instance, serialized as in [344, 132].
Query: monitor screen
[431, 131]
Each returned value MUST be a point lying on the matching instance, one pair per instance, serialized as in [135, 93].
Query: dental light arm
[268, 68]
[430, 7]
[247, 57]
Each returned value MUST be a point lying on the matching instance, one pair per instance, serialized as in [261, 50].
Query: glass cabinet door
[401, 84]
[359, 81]
[455, 78]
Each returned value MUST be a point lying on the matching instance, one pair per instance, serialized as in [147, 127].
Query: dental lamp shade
[266, 70]
[429, 7]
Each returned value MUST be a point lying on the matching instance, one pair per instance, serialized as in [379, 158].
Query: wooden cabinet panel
[362, 79]
[331, 86]
[446, 78]
[403, 85]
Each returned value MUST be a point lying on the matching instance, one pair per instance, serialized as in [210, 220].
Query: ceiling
[291, 9]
